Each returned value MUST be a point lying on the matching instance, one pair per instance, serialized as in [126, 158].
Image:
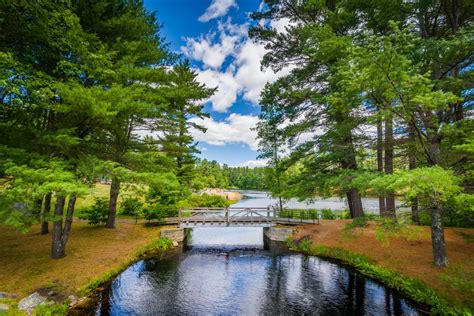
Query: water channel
[226, 271]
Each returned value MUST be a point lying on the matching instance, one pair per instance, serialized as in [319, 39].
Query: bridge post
[227, 216]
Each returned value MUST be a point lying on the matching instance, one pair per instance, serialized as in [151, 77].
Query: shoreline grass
[413, 288]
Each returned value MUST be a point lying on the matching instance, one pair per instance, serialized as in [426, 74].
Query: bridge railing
[298, 215]
[244, 216]
[231, 215]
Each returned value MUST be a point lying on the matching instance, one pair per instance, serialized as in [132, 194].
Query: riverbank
[233, 196]
[407, 253]
[94, 254]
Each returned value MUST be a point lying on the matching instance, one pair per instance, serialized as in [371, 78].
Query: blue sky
[212, 34]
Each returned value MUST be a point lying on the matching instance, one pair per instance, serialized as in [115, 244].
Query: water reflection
[262, 199]
[222, 278]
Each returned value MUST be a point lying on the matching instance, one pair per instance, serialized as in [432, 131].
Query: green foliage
[154, 247]
[204, 200]
[98, 213]
[210, 174]
[412, 287]
[328, 214]
[386, 228]
[426, 184]
[52, 310]
[157, 213]
[299, 213]
[455, 277]
[131, 207]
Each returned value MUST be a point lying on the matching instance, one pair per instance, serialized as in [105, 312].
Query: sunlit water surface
[227, 272]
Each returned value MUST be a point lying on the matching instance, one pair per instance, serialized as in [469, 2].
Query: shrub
[132, 207]
[345, 214]
[204, 200]
[328, 214]
[98, 213]
[156, 213]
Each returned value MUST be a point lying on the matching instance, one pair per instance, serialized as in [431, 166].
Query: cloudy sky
[212, 34]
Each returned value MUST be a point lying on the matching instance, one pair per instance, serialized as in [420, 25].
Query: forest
[89, 89]
[364, 98]
[378, 101]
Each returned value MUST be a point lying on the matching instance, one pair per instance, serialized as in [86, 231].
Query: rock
[175, 243]
[4, 307]
[72, 300]
[50, 293]
[3, 295]
[14, 296]
[31, 301]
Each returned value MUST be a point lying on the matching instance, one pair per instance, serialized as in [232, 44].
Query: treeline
[210, 174]
[88, 89]
[378, 101]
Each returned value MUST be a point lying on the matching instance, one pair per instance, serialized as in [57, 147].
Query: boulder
[4, 307]
[31, 302]
[4, 295]
[72, 300]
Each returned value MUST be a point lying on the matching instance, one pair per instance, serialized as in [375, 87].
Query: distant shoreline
[228, 195]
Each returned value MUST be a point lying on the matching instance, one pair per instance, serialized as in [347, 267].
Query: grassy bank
[402, 260]
[95, 255]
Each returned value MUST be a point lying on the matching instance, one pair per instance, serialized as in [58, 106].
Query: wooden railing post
[227, 214]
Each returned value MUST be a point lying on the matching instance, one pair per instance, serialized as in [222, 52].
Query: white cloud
[227, 88]
[253, 163]
[235, 129]
[280, 25]
[210, 52]
[217, 9]
[242, 76]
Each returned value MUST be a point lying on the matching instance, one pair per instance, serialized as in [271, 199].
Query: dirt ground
[409, 255]
[25, 265]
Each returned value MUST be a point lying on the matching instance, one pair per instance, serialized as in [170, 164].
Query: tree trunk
[355, 203]
[45, 214]
[411, 166]
[57, 249]
[389, 198]
[349, 162]
[60, 233]
[437, 237]
[380, 158]
[69, 218]
[437, 229]
[114, 193]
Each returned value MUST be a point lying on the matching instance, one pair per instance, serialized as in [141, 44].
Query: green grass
[413, 288]
[156, 246]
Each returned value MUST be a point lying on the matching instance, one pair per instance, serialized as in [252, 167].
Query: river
[263, 199]
[226, 271]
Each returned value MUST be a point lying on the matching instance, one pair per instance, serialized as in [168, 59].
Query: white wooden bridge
[242, 216]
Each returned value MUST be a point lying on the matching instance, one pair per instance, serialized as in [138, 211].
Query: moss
[413, 288]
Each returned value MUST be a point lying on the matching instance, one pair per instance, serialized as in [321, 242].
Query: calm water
[227, 272]
[262, 199]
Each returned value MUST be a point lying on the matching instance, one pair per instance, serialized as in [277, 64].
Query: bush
[98, 213]
[156, 213]
[328, 214]
[345, 214]
[131, 207]
[204, 200]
